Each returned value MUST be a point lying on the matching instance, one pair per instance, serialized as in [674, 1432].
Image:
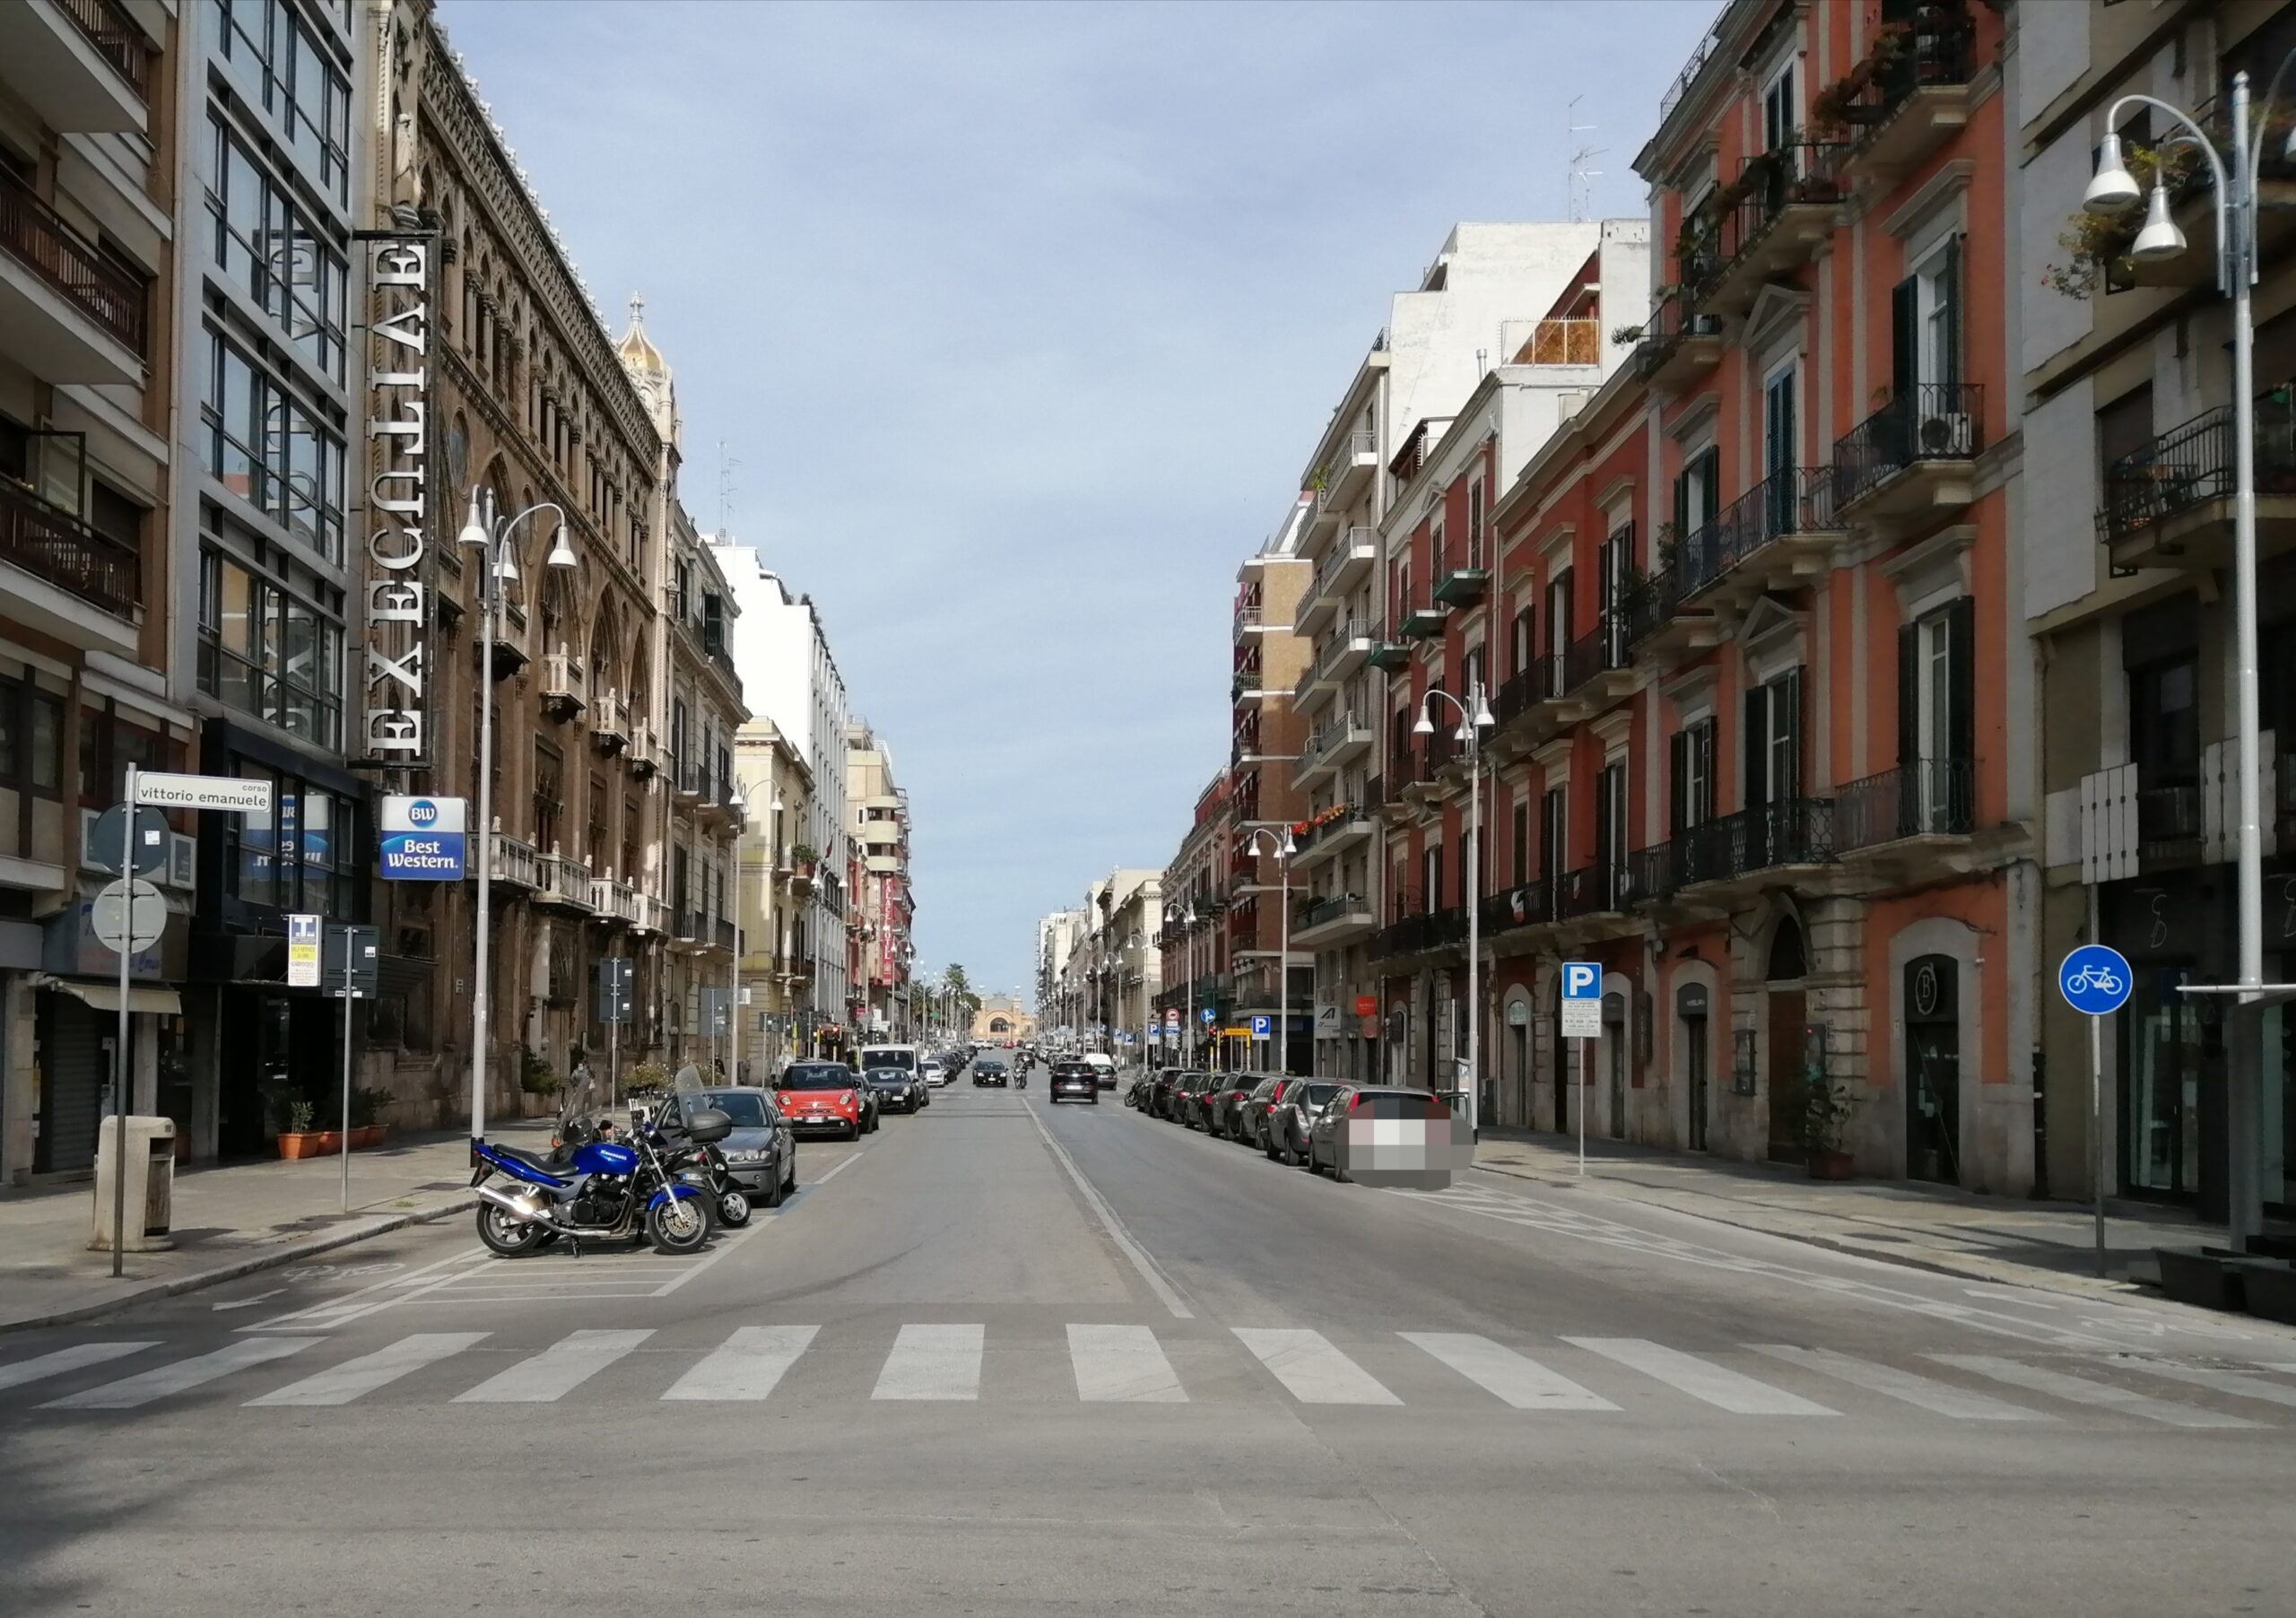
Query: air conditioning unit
[1703, 325]
[1951, 436]
[183, 862]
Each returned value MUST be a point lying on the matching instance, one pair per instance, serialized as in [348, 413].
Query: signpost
[1261, 1025]
[1582, 1020]
[158, 790]
[2096, 982]
[357, 979]
[613, 1011]
[128, 915]
[149, 840]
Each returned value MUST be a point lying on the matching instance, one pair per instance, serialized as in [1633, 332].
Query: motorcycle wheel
[680, 1225]
[732, 1210]
[505, 1236]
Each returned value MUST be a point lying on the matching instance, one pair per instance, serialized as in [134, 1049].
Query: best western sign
[395, 724]
[423, 838]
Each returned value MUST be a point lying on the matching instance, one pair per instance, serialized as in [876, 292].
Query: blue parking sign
[2095, 980]
[1261, 1025]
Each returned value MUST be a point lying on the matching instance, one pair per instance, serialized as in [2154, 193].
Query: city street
[1005, 1356]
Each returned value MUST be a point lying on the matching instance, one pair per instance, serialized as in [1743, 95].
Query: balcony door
[1781, 111]
[1609, 830]
[1773, 769]
[1936, 720]
[1779, 443]
[1698, 501]
[1554, 839]
[1613, 561]
[1558, 624]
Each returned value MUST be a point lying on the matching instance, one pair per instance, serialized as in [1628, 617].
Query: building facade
[774, 785]
[883, 907]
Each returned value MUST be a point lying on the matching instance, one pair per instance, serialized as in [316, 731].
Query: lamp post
[2112, 189]
[1473, 720]
[1187, 938]
[492, 537]
[1284, 850]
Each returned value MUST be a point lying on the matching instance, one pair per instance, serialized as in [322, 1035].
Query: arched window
[1788, 957]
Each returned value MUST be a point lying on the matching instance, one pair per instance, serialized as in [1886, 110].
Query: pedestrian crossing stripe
[1117, 1363]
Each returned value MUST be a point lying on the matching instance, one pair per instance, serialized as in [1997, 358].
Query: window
[1610, 819]
[2164, 723]
[1692, 803]
[1520, 841]
[1698, 495]
[1781, 109]
[31, 739]
[1431, 880]
[1558, 617]
[269, 246]
[268, 653]
[1779, 427]
[272, 450]
[1773, 748]
[1474, 525]
[284, 69]
[1522, 639]
[1554, 833]
[1925, 321]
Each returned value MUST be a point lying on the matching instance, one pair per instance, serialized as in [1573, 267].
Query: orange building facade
[1740, 625]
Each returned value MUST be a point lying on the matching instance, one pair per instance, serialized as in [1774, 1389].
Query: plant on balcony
[1666, 546]
[1626, 334]
[805, 856]
[2096, 245]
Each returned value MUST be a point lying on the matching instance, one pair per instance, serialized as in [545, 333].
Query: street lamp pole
[2113, 190]
[1187, 943]
[1283, 850]
[500, 566]
[1474, 719]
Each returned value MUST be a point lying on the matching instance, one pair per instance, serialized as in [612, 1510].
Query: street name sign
[423, 838]
[226, 793]
[1582, 1000]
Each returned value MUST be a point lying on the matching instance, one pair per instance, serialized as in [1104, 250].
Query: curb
[271, 1259]
[1992, 1272]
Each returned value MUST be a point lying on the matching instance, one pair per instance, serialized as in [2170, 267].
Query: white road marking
[748, 1365]
[1702, 1379]
[77, 1357]
[1316, 1373]
[933, 1362]
[725, 1244]
[366, 1299]
[1517, 1379]
[182, 1375]
[246, 1302]
[2080, 1390]
[1938, 1398]
[341, 1384]
[2238, 1383]
[556, 1371]
[1122, 1364]
[1166, 1292]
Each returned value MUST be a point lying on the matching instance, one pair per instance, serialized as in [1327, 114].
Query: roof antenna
[726, 465]
[1576, 181]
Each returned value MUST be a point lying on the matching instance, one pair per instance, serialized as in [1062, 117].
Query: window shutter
[1950, 289]
[1710, 498]
[1681, 503]
[1756, 787]
[1909, 695]
[1792, 683]
[1902, 304]
[1678, 788]
[1960, 723]
[1708, 787]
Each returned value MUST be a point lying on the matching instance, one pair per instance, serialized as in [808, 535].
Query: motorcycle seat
[548, 1162]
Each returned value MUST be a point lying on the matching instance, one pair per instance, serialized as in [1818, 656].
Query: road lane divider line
[341, 1384]
[1702, 1379]
[748, 1365]
[1166, 1292]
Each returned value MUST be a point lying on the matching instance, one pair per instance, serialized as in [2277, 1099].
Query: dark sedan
[1075, 1081]
[1188, 1099]
[897, 1089]
[1228, 1094]
[988, 1070]
[761, 1152]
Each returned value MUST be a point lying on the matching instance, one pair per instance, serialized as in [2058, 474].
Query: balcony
[1342, 654]
[653, 915]
[1342, 568]
[687, 930]
[723, 937]
[1914, 458]
[1387, 656]
[1909, 823]
[515, 864]
[1563, 341]
[1658, 622]
[1780, 210]
[1465, 574]
[1335, 918]
[799, 874]
[641, 754]
[1325, 838]
[2171, 823]
[1425, 933]
[1780, 533]
[1418, 449]
[562, 684]
[609, 724]
[1593, 891]
[1520, 705]
[1333, 743]
[82, 65]
[2170, 503]
[1906, 99]
[1423, 622]
[1680, 342]
[1513, 910]
[1250, 616]
[562, 883]
[616, 903]
[1598, 670]
[57, 549]
[1341, 483]
[1730, 858]
[66, 313]
[509, 659]
[1247, 680]
[689, 779]
[1423, 771]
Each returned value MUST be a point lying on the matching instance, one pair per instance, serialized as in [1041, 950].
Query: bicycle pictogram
[2096, 978]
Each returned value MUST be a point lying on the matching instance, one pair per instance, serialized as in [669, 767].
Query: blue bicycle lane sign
[2095, 980]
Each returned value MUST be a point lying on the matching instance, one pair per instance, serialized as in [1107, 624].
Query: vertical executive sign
[394, 727]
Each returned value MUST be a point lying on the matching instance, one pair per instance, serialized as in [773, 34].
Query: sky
[1021, 322]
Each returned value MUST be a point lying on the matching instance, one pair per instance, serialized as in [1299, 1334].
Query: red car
[821, 1095]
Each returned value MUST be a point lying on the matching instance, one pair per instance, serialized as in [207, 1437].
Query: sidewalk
[2012, 1242]
[229, 1222]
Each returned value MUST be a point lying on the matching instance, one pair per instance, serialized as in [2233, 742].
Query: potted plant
[1826, 1106]
[367, 1128]
[803, 857]
[539, 1081]
[296, 1138]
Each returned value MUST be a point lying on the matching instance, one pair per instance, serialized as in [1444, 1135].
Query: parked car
[895, 1089]
[1251, 1115]
[1141, 1092]
[762, 1151]
[1388, 1100]
[1103, 1067]
[933, 1073]
[825, 1095]
[1188, 1102]
[1075, 1081]
[1293, 1113]
[989, 1070]
[1228, 1092]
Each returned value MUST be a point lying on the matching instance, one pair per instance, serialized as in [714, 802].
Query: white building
[788, 675]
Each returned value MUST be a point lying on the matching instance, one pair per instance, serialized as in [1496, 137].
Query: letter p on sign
[1581, 980]
[1582, 1000]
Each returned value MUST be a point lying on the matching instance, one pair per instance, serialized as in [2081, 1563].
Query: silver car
[1294, 1117]
[761, 1152]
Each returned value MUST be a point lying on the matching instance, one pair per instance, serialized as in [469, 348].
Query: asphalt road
[1005, 1357]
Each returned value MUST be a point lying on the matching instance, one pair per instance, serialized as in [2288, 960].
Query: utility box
[151, 1183]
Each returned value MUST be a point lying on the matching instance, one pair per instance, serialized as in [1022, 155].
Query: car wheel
[852, 1131]
[775, 1190]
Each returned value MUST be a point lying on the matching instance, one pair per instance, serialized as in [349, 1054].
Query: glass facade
[266, 242]
[283, 64]
[266, 652]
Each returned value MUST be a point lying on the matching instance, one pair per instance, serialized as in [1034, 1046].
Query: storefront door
[2160, 1149]
[1786, 1092]
[1932, 1070]
[1614, 1059]
[1698, 1067]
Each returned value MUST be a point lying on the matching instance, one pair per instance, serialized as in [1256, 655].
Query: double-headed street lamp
[483, 532]
[1473, 720]
[1115, 974]
[1284, 849]
[2113, 189]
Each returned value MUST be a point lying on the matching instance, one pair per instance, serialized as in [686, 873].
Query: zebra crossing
[1117, 1363]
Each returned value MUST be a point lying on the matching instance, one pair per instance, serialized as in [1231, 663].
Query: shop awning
[153, 998]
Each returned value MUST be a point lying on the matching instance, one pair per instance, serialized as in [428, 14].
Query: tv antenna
[725, 465]
[1577, 181]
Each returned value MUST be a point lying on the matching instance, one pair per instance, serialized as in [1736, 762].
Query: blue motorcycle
[600, 1183]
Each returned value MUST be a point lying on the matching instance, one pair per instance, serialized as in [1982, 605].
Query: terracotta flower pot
[307, 1143]
[1829, 1163]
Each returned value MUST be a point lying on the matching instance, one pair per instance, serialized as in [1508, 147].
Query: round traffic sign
[2095, 980]
[1208, 1016]
[128, 917]
[147, 844]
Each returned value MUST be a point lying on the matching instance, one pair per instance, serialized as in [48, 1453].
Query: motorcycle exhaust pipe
[519, 1211]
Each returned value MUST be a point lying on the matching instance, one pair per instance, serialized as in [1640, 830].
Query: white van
[903, 1056]
[1103, 1068]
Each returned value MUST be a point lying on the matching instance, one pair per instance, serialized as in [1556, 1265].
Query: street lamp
[2112, 189]
[482, 531]
[1284, 850]
[1473, 722]
[1188, 935]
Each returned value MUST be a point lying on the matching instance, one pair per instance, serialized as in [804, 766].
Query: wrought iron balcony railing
[117, 40]
[1793, 500]
[2192, 464]
[1931, 422]
[51, 543]
[34, 234]
[1929, 798]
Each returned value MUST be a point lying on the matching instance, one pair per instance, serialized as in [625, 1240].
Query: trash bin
[151, 1183]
